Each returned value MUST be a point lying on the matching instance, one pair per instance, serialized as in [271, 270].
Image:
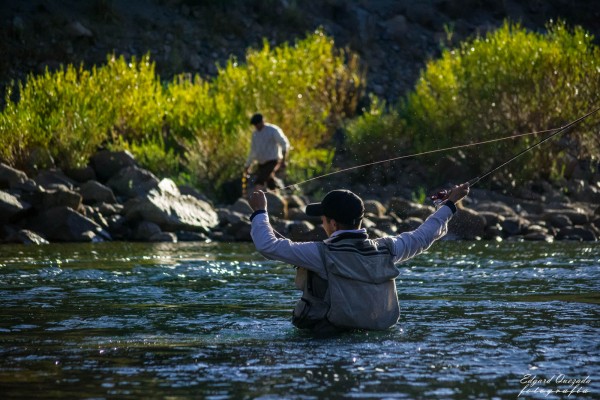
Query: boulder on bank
[63, 224]
[467, 224]
[106, 163]
[172, 213]
[11, 207]
[25, 236]
[11, 178]
[131, 182]
[93, 192]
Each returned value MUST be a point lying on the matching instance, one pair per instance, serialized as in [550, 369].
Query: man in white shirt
[348, 280]
[269, 148]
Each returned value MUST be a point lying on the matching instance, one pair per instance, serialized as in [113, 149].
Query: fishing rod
[461, 146]
[442, 195]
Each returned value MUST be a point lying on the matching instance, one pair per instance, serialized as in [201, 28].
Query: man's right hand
[458, 193]
[258, 201]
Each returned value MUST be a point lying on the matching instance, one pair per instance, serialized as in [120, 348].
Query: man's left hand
[258, 201]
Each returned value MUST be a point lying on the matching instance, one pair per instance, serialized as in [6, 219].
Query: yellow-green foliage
[510, 81]
[377, 134]
[307, 88]
[72, 111]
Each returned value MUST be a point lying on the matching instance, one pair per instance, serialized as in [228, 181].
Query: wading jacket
[349, 279]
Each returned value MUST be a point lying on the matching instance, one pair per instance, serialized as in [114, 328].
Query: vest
[360, 290]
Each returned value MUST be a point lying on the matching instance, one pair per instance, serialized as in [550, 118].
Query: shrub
[377, 134]
[307, 89]
[510, 81]
[194, 128]
[73, 111]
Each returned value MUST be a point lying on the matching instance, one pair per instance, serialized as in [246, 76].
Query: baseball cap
[256, 119]
[342, 205]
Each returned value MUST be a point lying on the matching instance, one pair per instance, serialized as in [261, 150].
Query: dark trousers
[265, 174]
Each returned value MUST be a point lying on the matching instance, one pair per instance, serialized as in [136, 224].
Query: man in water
[348, 280]
[269, 148]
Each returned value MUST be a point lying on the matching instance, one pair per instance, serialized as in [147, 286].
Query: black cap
[256, 119]
[341, 205]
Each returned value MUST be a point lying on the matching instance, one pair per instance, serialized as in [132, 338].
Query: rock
[81, 175]
[187, 236]
[494, 207]
[409, 224]
[93, 192]
[95, 215]
[316, 235]
[512, 225]
[60, 197]
[77, 30]
[240, 231]
[300, 231]
[557, 219]
[184, 189]
[467, 224]
[396, 27]
[145, 230]
[491, 218]
[25, 236]
[11, 207]
[375, 208]
[164, 237]
[118, 228]
[387, 226]
[110, 209]
[172, 213]
[132, 182]
[167, 186]
[577, 233]
[54, 178]
[241, 206]
[295, 201]
[229, 217]
[405, 209]
[63, 224]
[539, 236]
[10, 177]
[106, 163]
[493, 232]
[276, 205]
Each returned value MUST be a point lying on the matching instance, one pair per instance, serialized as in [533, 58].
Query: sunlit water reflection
[212, 321]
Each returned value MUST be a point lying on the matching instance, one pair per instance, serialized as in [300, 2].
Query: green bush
[377, 134]
[510, 81]
[73, 111]
[189, 127]
[308, 89]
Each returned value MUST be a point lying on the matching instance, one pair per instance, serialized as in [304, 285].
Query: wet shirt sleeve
[304, 254]
[409, 244]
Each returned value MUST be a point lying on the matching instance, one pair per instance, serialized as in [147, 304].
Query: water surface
[121, 320]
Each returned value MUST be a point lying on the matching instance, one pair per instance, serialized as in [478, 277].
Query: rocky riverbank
[114, 199]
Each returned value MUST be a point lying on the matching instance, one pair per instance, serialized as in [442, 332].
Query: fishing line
[439, 197]
[561, 130]
[420, 154]
[555, 131]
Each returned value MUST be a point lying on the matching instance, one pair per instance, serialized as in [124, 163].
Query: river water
[120, 320]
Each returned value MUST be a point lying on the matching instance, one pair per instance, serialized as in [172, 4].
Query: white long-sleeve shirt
[268, 144]
[306, 254]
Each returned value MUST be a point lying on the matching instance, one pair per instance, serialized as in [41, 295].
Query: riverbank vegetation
[189, 128]
[196, 131]
[508, 82]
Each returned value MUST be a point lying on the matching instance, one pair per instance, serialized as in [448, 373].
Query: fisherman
[348, 280]
[269, 148]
